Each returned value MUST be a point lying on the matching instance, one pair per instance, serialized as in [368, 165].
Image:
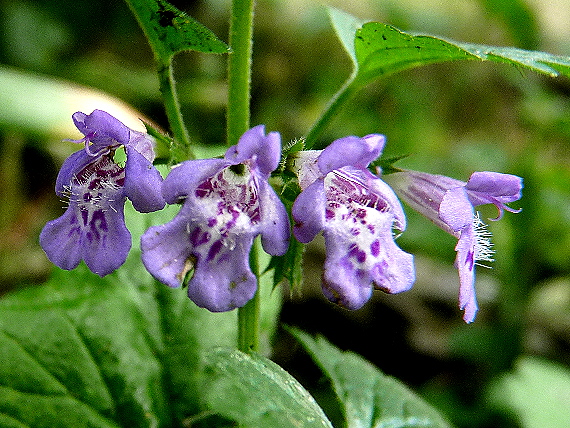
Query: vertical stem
[239, 79]
[248, 316]
[180, 150]
[239, 69]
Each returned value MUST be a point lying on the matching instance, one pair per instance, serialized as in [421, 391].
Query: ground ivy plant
[158, 312]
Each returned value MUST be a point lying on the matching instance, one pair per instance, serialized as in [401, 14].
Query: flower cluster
[228, 202]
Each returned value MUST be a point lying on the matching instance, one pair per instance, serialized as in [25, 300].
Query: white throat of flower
[483, 246]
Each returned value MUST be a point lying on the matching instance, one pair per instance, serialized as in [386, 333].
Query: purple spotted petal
[363, 258]
[142, 183]
[106, 251]
[99, 236]
[184, 178]
[223, 280]
[465, 263]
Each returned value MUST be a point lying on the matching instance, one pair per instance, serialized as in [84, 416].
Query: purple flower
[227, 203]
[450, 203]
[93, 226]
[357, 213]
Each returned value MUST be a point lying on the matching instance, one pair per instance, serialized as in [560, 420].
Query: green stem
[180, 150]
[249, 315]
[239, 69]
[239, 79]
[341, 97]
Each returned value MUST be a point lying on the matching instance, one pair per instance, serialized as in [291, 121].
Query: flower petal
[61, 238]
[106, 240]
[274, 226]
[465, 263]
[223, 281]
[355, 263]
[351, 151]
[309, 212]
[266, 149]
[183, 179]
[72, 166]
[503, 187]
[166, 251]
[99, 237]
[101, 128]
[142, 183]
[494, 188]
[455, 209]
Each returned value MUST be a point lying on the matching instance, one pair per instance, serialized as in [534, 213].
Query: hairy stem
[239, 79]
[249, 315]
[239, 69]
[180, 149]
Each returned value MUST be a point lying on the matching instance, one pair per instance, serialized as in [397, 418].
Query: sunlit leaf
[382, 49]
[257, 393]
[379, 50]
[369, 398]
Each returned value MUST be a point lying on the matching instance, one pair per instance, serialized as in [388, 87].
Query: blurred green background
[509, 368]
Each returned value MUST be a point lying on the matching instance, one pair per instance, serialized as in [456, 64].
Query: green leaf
[345, 26]
[378, 50]
[536, 392]
[289, 267]
[121, 350]
[382, 49]
[368, 397]
[257, 393]
[170, 31]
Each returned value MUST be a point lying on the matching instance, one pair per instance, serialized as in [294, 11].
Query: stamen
[483, 245]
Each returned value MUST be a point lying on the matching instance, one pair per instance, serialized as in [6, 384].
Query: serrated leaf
[382, 49]
[86, 342]
[119, 351]
[379, 50]
[170, 30]
[257, 393]
[369, 398]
